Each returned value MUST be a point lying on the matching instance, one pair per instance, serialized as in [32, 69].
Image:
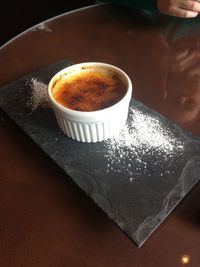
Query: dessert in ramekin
[90, 100]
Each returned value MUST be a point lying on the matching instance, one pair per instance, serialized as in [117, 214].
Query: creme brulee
[89, 90]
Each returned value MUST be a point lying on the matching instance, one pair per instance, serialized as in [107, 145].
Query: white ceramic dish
[91, 126]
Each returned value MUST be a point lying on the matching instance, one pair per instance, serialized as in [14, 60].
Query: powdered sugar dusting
[145, 144]
[38, 94]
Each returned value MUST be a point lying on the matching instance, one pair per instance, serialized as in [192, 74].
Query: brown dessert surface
[89, 91]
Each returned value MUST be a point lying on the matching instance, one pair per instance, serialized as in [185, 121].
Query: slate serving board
[137, 181]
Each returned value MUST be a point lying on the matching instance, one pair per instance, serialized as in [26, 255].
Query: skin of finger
[190, 5]
[182, 13]
[168, 7]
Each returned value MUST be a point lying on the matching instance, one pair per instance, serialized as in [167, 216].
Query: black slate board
[137, 186]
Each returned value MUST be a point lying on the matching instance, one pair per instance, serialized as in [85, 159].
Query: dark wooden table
[45, 219]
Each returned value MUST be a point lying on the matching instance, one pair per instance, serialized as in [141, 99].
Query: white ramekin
[92, 126]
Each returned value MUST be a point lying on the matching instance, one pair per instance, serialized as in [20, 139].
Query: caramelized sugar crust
[89, 91]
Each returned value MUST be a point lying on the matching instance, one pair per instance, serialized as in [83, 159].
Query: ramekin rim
[95, 112]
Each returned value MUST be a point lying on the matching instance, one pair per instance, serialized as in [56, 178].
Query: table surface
[46, 220]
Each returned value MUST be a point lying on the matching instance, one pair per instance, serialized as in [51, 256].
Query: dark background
[17, 16]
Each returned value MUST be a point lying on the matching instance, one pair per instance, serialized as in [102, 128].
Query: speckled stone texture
[137, 185]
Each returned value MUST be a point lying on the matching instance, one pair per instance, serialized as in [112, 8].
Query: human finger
[191, 5]
[181, 12]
